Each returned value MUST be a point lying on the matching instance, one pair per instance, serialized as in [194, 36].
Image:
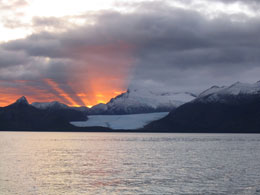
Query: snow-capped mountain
[142, 101]
[131, 102]
[233, 109]
[223, 94]
[22, 116]
[21, 101]
[49, 105]
[55, 105]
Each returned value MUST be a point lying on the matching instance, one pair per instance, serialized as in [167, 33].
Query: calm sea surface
[125, 163]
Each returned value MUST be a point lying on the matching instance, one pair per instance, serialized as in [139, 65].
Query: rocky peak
[22, 100]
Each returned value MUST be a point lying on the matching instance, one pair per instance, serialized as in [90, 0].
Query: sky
[86, 52]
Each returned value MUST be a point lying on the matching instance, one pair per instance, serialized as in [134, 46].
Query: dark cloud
[168, 48]
[12, 58]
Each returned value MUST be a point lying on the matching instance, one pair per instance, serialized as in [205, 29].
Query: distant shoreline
[130, 131]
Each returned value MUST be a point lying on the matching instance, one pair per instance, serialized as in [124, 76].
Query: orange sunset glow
[102, 74]
[55, 93]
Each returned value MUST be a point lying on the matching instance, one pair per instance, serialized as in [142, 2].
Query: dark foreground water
[118, 163]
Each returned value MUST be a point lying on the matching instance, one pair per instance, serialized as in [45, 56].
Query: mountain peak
[219, 94]
[135, 101]
[49, 105]
[22, 100]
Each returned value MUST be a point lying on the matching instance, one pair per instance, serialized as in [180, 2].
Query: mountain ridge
[23, 116]
[233, 109]
[226, 109]
[131, 102]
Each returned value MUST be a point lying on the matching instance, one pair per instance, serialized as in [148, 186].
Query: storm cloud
[154, 46]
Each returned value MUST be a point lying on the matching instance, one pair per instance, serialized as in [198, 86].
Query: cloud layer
[155, 46]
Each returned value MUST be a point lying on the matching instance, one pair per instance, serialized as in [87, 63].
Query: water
[125, 163]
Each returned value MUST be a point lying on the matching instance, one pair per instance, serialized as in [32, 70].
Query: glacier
[130, 121]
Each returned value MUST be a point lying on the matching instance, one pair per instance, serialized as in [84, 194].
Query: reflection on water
[122, 163]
